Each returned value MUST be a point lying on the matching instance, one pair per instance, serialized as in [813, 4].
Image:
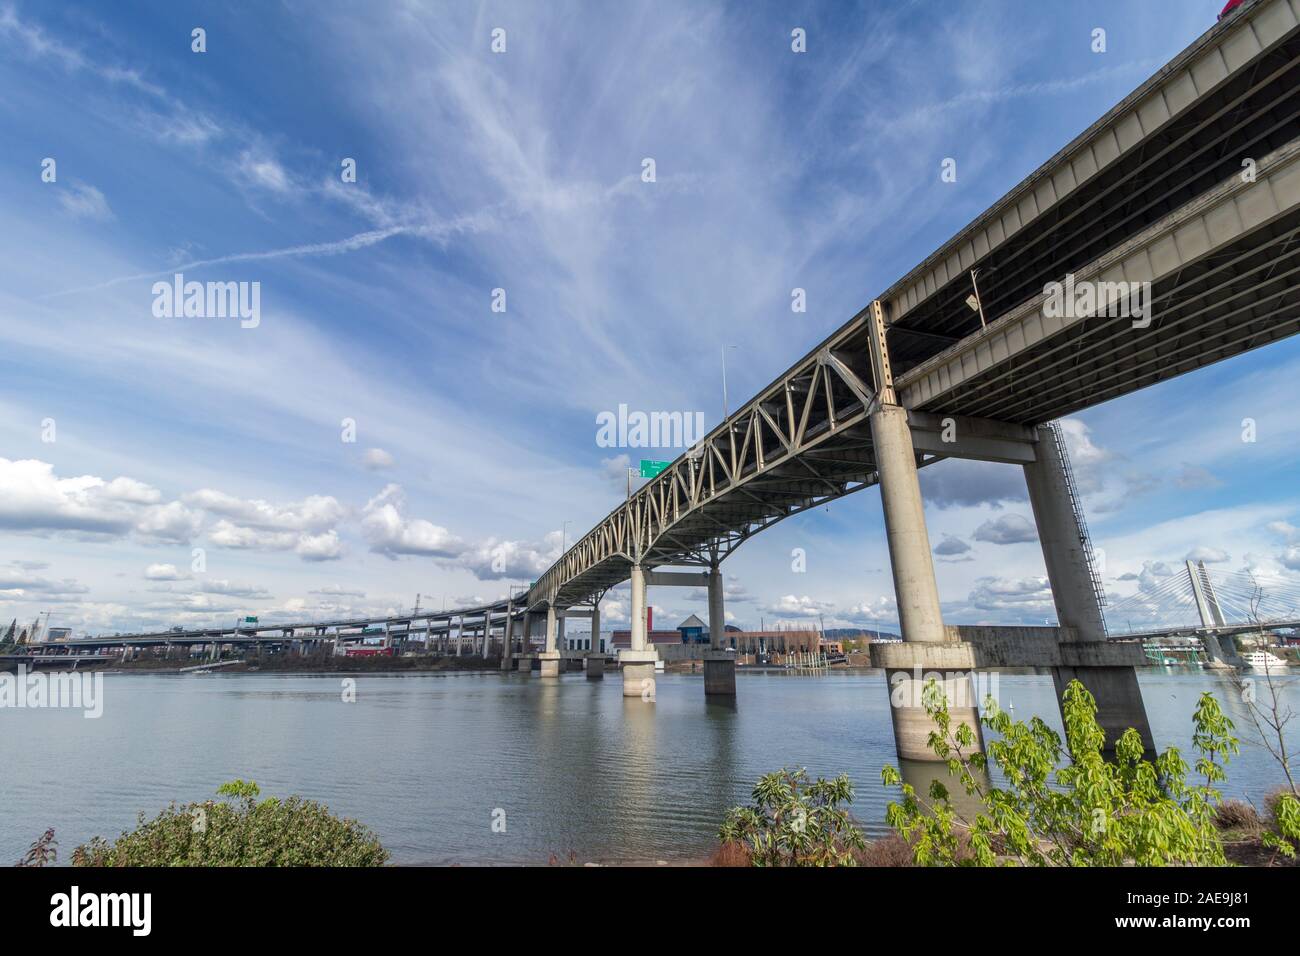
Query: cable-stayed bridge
[1196, 600]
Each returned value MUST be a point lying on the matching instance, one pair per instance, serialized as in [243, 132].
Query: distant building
[693, 631]
[582, 642]
[58, 634]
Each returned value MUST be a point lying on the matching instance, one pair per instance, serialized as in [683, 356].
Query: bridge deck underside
[1253, 113]
[1243, 296]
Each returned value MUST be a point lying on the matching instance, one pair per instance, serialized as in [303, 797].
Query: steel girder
[801, 442]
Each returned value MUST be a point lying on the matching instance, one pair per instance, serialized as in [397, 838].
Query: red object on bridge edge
[1232, 5]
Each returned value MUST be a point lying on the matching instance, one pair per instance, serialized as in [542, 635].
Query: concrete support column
[638, 608]
[638, 662]
[719, 664]
[919, 614]
[550, 658]
[508, 637]
[1063, 540]
[595, 656]
[1078, 607]
[909, 544]
[717, 612]
[552, 620]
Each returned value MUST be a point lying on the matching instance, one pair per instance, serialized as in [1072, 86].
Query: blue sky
[522, 171]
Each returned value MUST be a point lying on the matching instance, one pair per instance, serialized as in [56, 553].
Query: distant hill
[842, 633]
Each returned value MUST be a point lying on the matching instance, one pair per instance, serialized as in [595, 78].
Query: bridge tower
[1211, 614]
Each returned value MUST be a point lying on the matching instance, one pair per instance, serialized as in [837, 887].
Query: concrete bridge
[1161, 240]
[1183, 199]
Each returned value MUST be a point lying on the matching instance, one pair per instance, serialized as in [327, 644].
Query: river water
[428, 760]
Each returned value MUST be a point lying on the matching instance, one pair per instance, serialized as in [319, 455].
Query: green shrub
[1284, 816]
[1064, 804]
[242, 832]
[794, 823]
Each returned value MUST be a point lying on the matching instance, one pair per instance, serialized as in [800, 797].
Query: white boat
[1263, 661]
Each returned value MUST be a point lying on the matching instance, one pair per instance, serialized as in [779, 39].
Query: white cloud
[337, 590]
[315, 513]
[1007, 529]
[306, 527]
[225, 534]
[15, 587]
[320, 547]
[265, 171]
[83, 201]
[163, 572]
[959, 482]
[233, 589]
[34, 499]
[170, 522]
[795, 606]
[376, 459]
[493, 560]
[390, 532]
[951, 545]
[1030, 597]
[1285, 530]
[130, 490]
[1208, 555]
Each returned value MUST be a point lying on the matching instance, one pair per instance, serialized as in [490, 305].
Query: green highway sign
[650, 469]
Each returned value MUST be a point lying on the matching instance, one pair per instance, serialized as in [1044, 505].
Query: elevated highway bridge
[1178, 211]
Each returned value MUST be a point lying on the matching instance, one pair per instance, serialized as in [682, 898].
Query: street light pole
[725, 412]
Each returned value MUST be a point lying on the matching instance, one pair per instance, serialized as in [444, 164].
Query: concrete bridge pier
[638, 661]
[595, 656]
[1077, 593]
[719, 663]
[508, 639]
[526, 642]
[550, 657]
[927, 650]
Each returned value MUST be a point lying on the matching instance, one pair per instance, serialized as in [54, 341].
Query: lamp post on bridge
[725, 411]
